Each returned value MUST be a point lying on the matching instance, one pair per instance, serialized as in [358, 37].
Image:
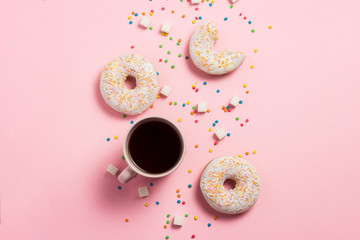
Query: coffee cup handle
[126, 175]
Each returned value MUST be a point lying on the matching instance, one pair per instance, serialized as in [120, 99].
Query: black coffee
[155, 147]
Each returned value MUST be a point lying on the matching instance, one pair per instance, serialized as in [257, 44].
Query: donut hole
[130, 82]
[229, 184]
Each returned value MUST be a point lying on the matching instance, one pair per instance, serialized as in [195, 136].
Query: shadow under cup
[154, 147]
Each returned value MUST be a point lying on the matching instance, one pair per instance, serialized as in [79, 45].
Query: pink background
[303, 108]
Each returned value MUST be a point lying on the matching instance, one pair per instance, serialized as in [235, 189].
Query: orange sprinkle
[247, 92]
[192, 113]
[143, 14]
[183, 16]
[165, 226]
[196, 146]
[126, 220]
[215, 218]
[133, 13]
[170, 103]
[172, 11]
[208, 110]
[152, 105]
[178, 195]
[178, 190]
[179, 40]
[247, 153]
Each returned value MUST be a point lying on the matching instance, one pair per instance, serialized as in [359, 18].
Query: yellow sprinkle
[252, 66]
[210, 150]
[239, 156]
[212, 1]
[179, 120]
[195, 218]
[158, 96]
[255, 50]
[150, 13]
[270, 27]
[116, 137]
[189, 170]
[146, 204]
[210, 129]
[193, 21]
[129, 17]
[188, 103]
[254, 152]
[245, 85]
[193, 86]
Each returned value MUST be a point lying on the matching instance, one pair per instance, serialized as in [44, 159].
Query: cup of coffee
[153, 147]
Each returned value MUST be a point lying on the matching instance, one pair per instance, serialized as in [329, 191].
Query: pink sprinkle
[193, 87]
[196, 9]
[196, 18]
[162, 8]
[240, 14]
[197, 90]
[241, 124]
[132, 47]
[195, 111]
[152, 11]
[160, 60]
[247, 120]
[244, 18]
[193, 236]
[215, 143]
[183, 203]
[229, 110]
[196, 121]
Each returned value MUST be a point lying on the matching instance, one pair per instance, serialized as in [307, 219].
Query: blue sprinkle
[157, 203]
[151, 184]
[214, 124]
[119, 187]
[178, 201]
[209, 224]
[218, 91]
[108, 139]
[240, 102]
[227, 107]
[210, 4]
[228, 134]
[130, 22]
[132, 122]
[204, 83]
[184, 104]
[157, 73]
[136, 14]
[189, 186]
[186, 57]
[225, 19]
[249, 22]
[216, 121]
[200, 17]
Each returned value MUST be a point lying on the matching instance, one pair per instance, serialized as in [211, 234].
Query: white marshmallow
[201, 107]
[166, 27]
[145, 22]
[220, 133]
[112, 169]
[143, 191]
[178, 220]
[166, 90]
[234, 1]
[195, 1]
[234, 101]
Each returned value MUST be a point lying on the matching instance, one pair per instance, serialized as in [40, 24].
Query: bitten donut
[206, 58]
[233, 201]
[120, 97]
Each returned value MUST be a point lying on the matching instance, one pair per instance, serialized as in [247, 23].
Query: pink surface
[303, 108]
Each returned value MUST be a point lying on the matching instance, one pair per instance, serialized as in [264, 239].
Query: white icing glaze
[207, 59]
[123, 99]
[233, 201]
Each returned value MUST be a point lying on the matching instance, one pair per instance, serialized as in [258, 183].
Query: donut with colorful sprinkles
[233, 201]
[118, 96]
[206, 58]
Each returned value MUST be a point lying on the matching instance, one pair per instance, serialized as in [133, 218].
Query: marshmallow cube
[112, 169]
[143, 191]
[166, 27]
[195, 1]
[201, 107]
[234, 101]
[178, 220]
[234, 1]
[166, 90]
[145, 22]
[220, 133]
